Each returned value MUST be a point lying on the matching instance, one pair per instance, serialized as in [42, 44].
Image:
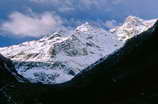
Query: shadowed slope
[6, 69]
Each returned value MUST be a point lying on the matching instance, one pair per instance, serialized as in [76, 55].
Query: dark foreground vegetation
[129, 76]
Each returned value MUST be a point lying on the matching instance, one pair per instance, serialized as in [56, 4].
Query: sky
[25, 20]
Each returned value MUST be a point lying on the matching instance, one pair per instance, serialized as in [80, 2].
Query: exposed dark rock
[8, 76]
[6, 70]
[129, 76]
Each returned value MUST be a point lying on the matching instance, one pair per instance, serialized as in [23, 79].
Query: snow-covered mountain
[131, 27]
[57, 58]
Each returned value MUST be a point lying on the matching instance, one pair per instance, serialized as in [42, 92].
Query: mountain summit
[84, 27]
[132, 26]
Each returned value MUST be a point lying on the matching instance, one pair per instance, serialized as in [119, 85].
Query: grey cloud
[35, 25]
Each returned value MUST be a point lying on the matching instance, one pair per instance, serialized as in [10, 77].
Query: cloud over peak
[34, 25]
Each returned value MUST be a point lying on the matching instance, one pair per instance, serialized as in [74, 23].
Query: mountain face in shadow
[6, 70]
[6, 77]
[127, 76]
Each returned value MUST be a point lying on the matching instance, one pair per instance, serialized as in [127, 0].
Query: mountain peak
[84, 27]
[131, 27]
[133, 20]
